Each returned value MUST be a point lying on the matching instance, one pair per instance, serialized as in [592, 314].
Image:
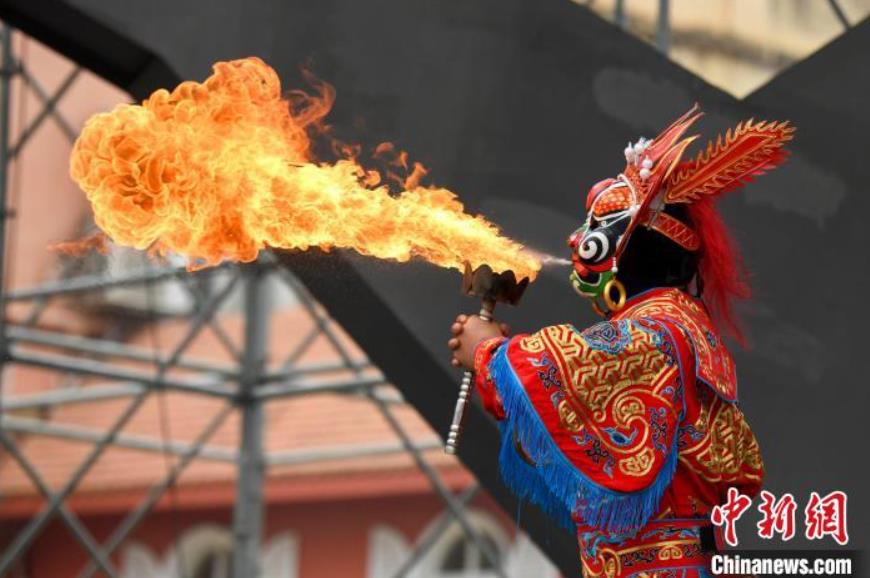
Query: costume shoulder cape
[590, 418]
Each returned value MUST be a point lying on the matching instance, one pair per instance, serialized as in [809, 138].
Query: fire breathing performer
[629, 430]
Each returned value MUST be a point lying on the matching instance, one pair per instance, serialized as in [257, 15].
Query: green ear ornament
[590, 290]
[602, 288]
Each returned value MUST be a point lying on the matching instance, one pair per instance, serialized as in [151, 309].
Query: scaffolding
[245, 386]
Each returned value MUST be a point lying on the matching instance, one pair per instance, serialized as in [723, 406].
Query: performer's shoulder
[692, 331]
[613, 337]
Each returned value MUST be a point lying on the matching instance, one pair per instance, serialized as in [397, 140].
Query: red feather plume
[721, 270]
[746, 151]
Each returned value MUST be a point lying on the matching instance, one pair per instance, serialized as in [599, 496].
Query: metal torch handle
[464, 392]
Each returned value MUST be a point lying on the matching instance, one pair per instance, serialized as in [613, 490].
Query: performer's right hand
[468, 331]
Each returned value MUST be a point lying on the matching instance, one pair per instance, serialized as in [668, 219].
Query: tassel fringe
[554, 484]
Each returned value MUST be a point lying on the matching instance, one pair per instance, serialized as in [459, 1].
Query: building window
[206, 551]
[215, 563]
[464, 558]
[456, 555]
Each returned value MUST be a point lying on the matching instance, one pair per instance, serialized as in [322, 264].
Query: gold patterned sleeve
[592, 414]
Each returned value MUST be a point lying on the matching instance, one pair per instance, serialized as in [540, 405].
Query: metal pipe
[42, 94]
[311, 369]
[198, 294]
[88, 367]
[132, 441]
[48, 108]
[248, 512]
[134, 518]
[28, 534]
[70, 395]
[40, 304]
[108, 371]
[663, 31]
[87, 283]
[436, 532]
[124, 440]
[113, 349]
[303, 346]
[225, 339]
[73, 395]
[78, 530]
[449, 499]
[6, 71]
[337, 386]
[452, 504]
[296, 457]
[838, 12]
[322, 321]
[619, 14]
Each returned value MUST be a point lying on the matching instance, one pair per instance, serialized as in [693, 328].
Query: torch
[491, 288]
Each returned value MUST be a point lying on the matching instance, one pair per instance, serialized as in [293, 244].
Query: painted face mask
[594, 244]
[654, 177]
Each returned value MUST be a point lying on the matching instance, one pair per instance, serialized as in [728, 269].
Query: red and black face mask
[656, 178]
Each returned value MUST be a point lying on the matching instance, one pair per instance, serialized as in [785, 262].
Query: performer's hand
[468, 331]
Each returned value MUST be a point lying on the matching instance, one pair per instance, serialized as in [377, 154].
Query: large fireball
[220, 170]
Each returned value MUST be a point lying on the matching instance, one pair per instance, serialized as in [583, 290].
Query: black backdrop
[519, 106]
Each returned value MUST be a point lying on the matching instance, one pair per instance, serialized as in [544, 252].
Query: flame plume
[220, 170]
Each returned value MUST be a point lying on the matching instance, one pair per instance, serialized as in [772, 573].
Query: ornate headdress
[653, 179]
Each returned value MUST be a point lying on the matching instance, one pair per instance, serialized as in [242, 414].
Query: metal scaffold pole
[111, 365]
[619, 14]
[248, 515]
[663, 27]
[8, 64]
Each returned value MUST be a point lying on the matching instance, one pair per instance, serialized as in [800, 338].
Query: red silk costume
[628, 430]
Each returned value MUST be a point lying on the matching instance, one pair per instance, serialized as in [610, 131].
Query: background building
[349, 488]
[343, 495]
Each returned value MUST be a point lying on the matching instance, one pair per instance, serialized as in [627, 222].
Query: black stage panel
[520, 106]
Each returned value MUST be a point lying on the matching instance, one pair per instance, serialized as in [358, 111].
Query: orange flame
[220, 170]
[95, 242]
